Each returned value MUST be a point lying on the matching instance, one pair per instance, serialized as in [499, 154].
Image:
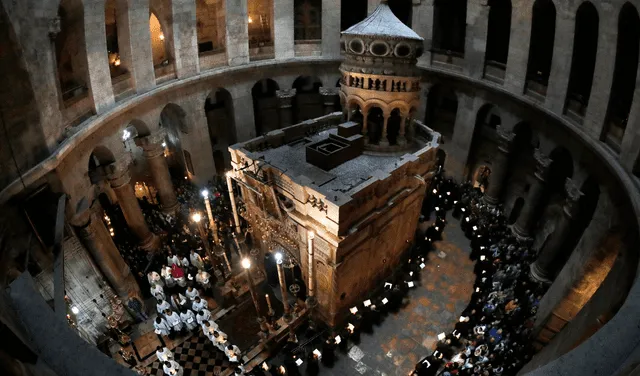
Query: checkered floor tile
[197, 356]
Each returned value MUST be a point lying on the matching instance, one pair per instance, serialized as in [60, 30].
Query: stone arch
[210, 26]
[265, 106]
[307, 19]
[543, 29]
[220, 115]
[141, 129]
[483, 146]
[498, 33]
[71, 55]
[173, 119]
[370, 103]
[449, 26]
[393, 124]
[99, 158]
[159, 43]
[114, 30]
[308, 103]
[403, 10]
[441, 112]
[583, 62]
[624, 77]
[374, 122]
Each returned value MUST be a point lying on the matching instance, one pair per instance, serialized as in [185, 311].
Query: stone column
[383, 138]
[544, 268]
[422, 22]
[97, 240]
[561, 63]
[534, 196]
[331, 28]
[499, 167]
[237, 17]
[364, 127]
[329, 98]
[134, 37]
[243, 112]
[120, 181]
[100, 87]
[476, 37]
[283, 29]
[285, 110]
[154, 154]
[603, 74]
[185, 38]
[518, 56]
[402, 139]
[372, 5]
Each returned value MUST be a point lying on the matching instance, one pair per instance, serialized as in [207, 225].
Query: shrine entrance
[294, 279]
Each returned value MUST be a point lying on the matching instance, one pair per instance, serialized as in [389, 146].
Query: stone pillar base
[538, 275]
[384, 142]
[171, 209]
[151, 244]
[402, 141]
[490, 201]
[520, 233]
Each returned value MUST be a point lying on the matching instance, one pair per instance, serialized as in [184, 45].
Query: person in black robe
[313, 366]
[328, 351]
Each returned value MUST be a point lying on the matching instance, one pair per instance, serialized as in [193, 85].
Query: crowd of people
[491, 336]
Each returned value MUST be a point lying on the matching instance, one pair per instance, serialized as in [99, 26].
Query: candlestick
[212, 222]
[232, 197]
[268, 302]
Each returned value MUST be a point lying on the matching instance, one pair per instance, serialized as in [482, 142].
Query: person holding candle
[203, 315]
[203, 279]
[172, 368]
[233, 353]
[163, 354]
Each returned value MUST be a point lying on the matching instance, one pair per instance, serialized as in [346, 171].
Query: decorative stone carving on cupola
[380, 84]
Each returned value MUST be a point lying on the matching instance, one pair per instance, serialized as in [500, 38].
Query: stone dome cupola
[382, 43]
[380, 85]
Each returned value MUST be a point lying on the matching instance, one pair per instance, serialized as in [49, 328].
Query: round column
[383, 138]
[154, 154]
[402, 139]
[120, 181]
[500, 167]
[531, 207]
[97, 240]
[329, 97]
[544, 268]
[285, 106]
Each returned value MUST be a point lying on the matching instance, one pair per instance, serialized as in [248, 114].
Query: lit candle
[268, 301]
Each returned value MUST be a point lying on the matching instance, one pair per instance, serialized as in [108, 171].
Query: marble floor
[433, 307]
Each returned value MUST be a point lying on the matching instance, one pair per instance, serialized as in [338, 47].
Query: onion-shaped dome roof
[382, 23]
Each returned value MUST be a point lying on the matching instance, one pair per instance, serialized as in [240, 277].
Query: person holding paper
[203, 315]
[174, 321]
[192, 293]
[162, 306]
[219, 339]
[161, 326]
[328, 348]
[157, 291]
[199, 304]
[179, 302]
[188, 318]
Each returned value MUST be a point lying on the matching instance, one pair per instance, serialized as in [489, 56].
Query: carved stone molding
[542, 164]
[505, 139]
[572, 198]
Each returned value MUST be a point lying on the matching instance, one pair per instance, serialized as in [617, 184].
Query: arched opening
[449, 27]
[173, 119]
[484, 145]
[403, 10]
[498, 34]
[624, 76]
[99, 158]
[218, 109]
[162, 63]
[586, 208]
[265, 106]
[308, 103]
[308, 20]
[442, 107]
[71, 55]
[522, 155]
[355, 114]
[352, 12]
[636, 166]
[375, 121]
[543, 31]
[118, 65]
[515, 210]
[393, 126]
[583, 63]
[260, 30]
[211, 26]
